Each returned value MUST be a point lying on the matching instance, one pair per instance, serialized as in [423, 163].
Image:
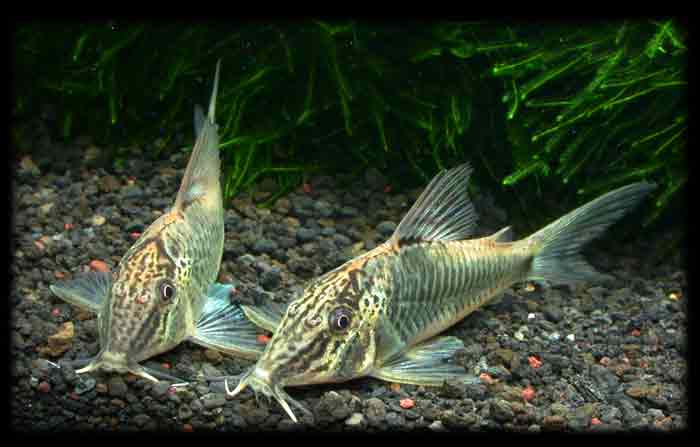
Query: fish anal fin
[224, 327]
[443, 211]
[427, 364]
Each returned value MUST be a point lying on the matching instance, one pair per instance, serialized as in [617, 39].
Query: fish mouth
[259, 381]
[116, 363]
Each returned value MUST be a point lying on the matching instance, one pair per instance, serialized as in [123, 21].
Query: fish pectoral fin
[87, 291]
[426, 364]
[267, 314]
[223, 326]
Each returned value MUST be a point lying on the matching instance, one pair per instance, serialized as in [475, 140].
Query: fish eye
[340, 319]
[167, 290]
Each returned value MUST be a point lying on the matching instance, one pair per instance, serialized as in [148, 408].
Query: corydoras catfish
[378, 314]
[163, 290]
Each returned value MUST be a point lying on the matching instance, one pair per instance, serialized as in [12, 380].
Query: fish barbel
[378, 314]
[163, 290]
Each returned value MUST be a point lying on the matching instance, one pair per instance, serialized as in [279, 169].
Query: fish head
[149, 309]
[325, 336]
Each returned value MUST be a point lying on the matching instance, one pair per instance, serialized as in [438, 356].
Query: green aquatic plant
[573, 109]
[604, 106]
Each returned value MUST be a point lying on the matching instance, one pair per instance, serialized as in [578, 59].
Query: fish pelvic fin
[556, 247]
[201, 177]
[443, 211]
[428, 363]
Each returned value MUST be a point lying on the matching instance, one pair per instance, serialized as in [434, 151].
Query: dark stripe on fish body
[146, 331]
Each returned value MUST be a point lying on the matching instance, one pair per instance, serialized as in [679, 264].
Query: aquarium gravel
[598, 357]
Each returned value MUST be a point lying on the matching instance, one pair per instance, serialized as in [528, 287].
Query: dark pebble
[553, 314]
[271, 279]
[502, 411]
[212, 400]
[160, 389]
[135, 226]
[348, 211]
[386, 228]
[374, 410]
[117, 386]
[264, 246]
[307, 234]
[141, 419]
[341, 240]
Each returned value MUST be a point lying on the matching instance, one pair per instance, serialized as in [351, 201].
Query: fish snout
[116, 362]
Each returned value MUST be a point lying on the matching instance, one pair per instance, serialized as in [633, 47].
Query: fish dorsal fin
[505, 234]
[198, 120]
[202, 172]
[442, 212]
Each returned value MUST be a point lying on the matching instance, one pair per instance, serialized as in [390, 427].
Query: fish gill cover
[565, 110]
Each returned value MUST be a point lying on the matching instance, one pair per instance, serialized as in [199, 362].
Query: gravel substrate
[598, 357]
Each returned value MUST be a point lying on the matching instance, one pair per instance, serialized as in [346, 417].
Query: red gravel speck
[40, 245]
[99, 266]
[44, 387]
[387, 189]
[534, 361]
[187, 427]
[165, 365]
[595, 421]
[485, 378]
[528, 394]
[263, 339]
[68, 226]
[635, 333]
[407, 403]
[135, 235]
[307, 188]
[59, 275]
[55, 312]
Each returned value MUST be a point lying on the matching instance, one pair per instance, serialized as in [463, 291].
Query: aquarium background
[550, 113]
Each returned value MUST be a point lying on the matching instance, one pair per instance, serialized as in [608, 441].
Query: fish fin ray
[443, 211]
[87, 291]
[224, 327]
[202, 172]
[505, 234]
[198, 120]
[267, 315]
[427, 364]
[556, 247]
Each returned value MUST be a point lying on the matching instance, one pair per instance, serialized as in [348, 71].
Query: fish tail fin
[557, 246]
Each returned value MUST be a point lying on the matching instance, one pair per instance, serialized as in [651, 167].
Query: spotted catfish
[163, 290]
[378, 315]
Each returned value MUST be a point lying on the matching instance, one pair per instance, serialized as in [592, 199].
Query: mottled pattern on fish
[379, 313]
[186, 248]
[158, 293]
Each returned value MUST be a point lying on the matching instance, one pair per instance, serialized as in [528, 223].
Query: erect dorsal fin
[442, 212]
[202, 172]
